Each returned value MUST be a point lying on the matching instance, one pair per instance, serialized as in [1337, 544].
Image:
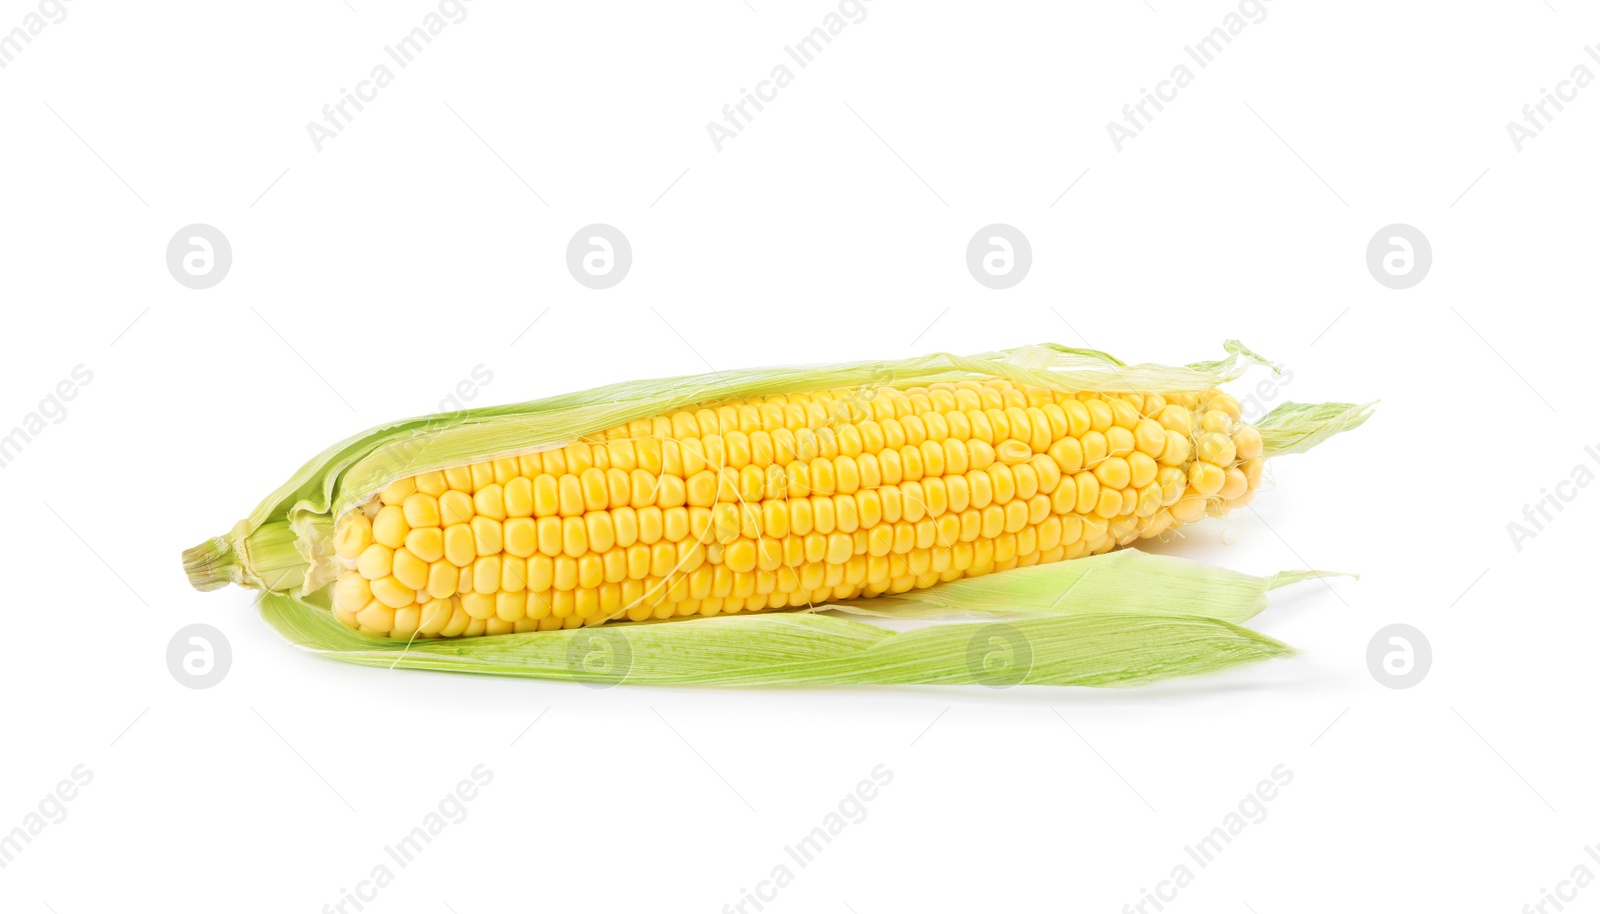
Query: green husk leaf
[1294, 428]
[1118, 619]
[799, 648]
[1125, 581]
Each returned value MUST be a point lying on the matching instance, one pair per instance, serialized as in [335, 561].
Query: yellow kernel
[490, 502]
[1119, 441]
[574, 537]
[392, 593]
[1016, 513]
[351, 593]
[602, 536]
[1113, 473]
[435, 615]
[375, 561]
[701, 488]
[1141, 469]
[1177, 450]
[509, 607]
[591, 570]
[1095, 448]
[413, 571]
[1004, 483]
[432, 484]
[376, 617]
[459, 547]
[538, 605]
[1149, 500]
[541, 573]
[459, 620]
[1100, 415]
[1252, 471]
[1088, 492]
[1067, 454]
[398, 491]
[389, 527]
[1215, 420]
[1064, 499]
[486, 574]
[1247, 443]
[1012, 452]
[513, 574]
[1175, 418]
[840, 548]
[482, 475]
[1123, 413]
[455, 507]
[487, 535]
[426, 543]
[546, 496]
[478, 605]
[1234, 484]
[618, 489]
[671, 492]
[1226, 404]
[520, 536]
[1206, 478]
[1110, 504]
[1149, 437]
[596, 489]
[1189, 509]
[650, 525]
[570, 491]
[353, 536]
[1215, 447]
[442, 580]
[505, 469]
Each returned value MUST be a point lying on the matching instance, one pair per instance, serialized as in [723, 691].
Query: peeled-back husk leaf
[1103, 625]
[1125, 617]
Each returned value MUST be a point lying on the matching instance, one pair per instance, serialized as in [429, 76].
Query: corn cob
[781, 488]
[771, 502]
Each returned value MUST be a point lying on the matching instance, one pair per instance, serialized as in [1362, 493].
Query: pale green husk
[1120, 618]
[1084, 622]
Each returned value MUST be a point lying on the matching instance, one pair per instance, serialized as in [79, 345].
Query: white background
[371, 277]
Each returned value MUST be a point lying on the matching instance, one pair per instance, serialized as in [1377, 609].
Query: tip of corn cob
[212, 564]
